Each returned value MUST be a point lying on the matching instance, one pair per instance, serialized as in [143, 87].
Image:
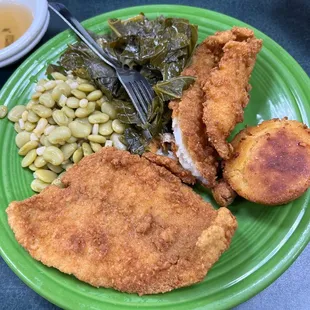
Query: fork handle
[81, 32]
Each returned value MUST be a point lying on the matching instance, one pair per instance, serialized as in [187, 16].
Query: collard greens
[159, 49]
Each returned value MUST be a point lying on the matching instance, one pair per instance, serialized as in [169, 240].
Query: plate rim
[291, 255]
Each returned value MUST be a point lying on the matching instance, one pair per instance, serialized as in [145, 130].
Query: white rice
[95, 129]
[183, 155]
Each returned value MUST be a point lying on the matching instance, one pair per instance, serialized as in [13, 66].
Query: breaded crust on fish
[223, 193]
[123, 222]
[227, 90]
[271, 162]
[208, 54]
[172, 165]
[193, 151]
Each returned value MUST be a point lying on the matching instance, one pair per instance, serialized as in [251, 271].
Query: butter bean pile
[66, 119]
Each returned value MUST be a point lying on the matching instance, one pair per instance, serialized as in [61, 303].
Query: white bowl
[32, 36]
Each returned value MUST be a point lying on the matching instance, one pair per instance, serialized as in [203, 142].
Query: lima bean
[40, 162]
[37, 185]
[60, 118]
[73, 102]
[118, 126]
[58, 76]
[47, 100]
[106, 128]
[46, 176]
[79, 129]
[32, 167]
[82, 112]
[29, 126]
[33, 117]
[29, 158]
[56, 169]
[78, 94]
[16, 113]
[42, 111]
[71, 139]
[36, 95]
[77, 155]
[17, 127]
[86, 87]
[109, 109]
[95, 95]
[96, 147]
[22, 138]
[44, 141]
[51, 121]
[81, 81]
[27, 147]
[98, 118]
[69, 112]
[61, 89]
[59, 135]
[96, 139]
[30, 104]
[49, 85]
[86, 149]
[3, 111]
[53, 155]
[68, 149]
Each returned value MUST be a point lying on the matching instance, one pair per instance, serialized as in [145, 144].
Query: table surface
[286, 22]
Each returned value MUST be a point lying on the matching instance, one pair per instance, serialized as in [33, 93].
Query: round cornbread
[271, 162]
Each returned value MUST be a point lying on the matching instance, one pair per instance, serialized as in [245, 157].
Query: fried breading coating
[193, 150]
[271, 162]
[223, 193]
[227, 91]
[208, 53]
[172, 165]
[125, 223]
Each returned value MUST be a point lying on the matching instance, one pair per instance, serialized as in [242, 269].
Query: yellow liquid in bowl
[14, 22]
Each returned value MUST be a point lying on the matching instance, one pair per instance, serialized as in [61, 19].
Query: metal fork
[137, 87]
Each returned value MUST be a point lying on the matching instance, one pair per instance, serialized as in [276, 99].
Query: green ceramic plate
[267, 240]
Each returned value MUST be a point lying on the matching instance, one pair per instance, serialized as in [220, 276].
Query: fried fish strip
[193, 150]
[227, 91]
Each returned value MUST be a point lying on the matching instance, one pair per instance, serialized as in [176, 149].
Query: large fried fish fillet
[123, 222]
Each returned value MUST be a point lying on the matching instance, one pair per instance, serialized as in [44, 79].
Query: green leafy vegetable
[159, 49]
[163, 44]
[85, 64]
[126, 112]
[135, 141]
[173, 88]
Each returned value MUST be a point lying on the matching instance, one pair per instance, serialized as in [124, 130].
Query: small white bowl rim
[22, 53]
[30, 34]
